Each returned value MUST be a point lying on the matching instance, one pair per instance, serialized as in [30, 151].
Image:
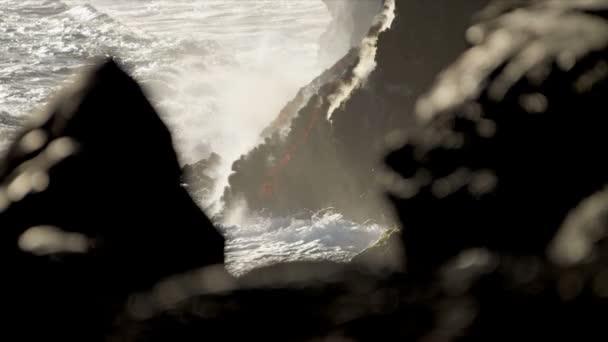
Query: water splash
[254, 240]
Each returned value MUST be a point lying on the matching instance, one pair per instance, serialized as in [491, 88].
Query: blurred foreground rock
[92, 209]
[514, 134]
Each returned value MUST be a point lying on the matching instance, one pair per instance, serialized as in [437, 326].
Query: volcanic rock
[92, 209]
[338, 164]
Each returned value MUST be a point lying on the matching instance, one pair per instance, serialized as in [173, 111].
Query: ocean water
[218, 71]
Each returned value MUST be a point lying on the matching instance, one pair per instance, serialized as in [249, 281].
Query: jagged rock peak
[92, 208]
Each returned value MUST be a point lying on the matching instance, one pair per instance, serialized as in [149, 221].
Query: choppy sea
[217, 70]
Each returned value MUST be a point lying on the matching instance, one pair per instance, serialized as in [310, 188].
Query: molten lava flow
[268, 188]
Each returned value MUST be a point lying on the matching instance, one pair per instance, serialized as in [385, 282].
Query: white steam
[245, 99]
[367, 58]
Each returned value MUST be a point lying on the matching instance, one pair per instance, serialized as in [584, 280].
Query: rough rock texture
[91, 209]
[200, 177]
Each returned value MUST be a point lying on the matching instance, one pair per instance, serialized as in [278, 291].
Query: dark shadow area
[93, 210]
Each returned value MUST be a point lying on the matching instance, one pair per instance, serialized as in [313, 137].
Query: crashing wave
[257, 240]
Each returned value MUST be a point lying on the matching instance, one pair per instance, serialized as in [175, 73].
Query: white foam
[326, 235]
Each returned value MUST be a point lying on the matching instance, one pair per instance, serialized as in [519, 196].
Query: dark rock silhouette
[514, 131]
[92, 209]
[477, 296]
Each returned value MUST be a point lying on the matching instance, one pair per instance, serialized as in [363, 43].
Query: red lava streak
[269, 187]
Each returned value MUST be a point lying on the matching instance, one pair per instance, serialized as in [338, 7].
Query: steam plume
[367, 57]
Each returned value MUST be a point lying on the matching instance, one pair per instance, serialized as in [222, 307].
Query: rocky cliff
[336, 163]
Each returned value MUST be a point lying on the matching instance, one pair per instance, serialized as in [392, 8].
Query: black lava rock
[320, 164]
[92, 209]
